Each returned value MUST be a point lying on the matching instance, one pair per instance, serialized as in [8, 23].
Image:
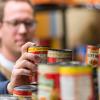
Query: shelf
[46, 7]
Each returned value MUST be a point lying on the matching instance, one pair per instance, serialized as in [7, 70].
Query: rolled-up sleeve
[3, 87]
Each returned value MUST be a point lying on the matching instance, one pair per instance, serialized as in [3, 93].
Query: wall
[83, 26]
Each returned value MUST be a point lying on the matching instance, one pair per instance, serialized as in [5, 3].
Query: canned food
[75, 63]
[55, 55]
[92, 55]
[24, 92]
[42, 53]
[48, 82]
[76, 82]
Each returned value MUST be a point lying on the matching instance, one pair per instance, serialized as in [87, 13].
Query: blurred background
[68, 24]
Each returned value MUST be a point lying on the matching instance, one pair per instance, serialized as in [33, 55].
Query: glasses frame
[15, 24]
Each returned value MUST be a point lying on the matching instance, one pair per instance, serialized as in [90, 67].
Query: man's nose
[22, 29]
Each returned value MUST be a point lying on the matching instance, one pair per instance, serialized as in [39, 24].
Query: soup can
[48, 82]
[25, 92]
[92, 55]
[76, 82]
[57, 55]
[41, 51]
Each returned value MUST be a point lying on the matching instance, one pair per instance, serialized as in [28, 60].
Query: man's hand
[25, 66]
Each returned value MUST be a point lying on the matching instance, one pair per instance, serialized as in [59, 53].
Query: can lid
[71, 63]
[24, 90]
[56, 50]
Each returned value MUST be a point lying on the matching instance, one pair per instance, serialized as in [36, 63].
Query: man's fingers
[26, 46]
[30, 57]
[19, 72]
[26, 65]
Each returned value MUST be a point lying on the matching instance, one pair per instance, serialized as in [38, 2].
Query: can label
[56, 56]
[76, 83]
[48, 82]
[92, 55]
[40, 51]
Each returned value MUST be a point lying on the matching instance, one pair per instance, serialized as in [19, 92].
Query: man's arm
[3, 87]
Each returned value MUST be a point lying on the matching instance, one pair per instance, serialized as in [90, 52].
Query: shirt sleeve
[3, 87]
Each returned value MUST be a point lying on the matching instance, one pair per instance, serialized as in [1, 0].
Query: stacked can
[76, 82]
[92, 58]
[48, 82]
[25, 92]
[56, 56]
[42, 53]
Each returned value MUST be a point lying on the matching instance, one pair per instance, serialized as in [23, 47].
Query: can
[48, 82]
[57, 55]
[41, 51]
[76, 82]
[92, 55]
[24, 92]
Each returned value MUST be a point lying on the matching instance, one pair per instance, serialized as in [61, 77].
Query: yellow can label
[37, 48]
[75, 70]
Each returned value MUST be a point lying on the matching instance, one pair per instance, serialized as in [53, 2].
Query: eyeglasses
[29, 24]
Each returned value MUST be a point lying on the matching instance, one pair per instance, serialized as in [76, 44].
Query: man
[17, 25]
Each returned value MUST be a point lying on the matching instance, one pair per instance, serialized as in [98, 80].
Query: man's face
[18, 25]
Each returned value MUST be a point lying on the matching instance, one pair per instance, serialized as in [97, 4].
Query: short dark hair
[3, 3]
